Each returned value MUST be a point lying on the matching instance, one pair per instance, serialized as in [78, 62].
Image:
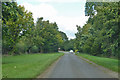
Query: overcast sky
[66, 13]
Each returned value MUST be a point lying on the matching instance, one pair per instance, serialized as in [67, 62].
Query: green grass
[27, 65]
[109, 63]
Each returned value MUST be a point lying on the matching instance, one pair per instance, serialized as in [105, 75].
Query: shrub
[34, 49]
[21, 47]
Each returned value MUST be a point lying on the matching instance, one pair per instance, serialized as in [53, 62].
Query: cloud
[56, 1]
[60, 1]
[42, 10]
[66, 24]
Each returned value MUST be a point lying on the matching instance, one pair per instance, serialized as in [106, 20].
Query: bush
[86, 48]
[5, 47]
[34, 49]
[21, 47]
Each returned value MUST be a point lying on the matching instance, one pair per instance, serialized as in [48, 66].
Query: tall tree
[16, 22]
[100, 35]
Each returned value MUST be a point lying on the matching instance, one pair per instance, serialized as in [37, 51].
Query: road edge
[43, 74]
[106, 70]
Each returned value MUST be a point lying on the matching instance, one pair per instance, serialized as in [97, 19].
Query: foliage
[21, 34]
[34, 49]
[15, 23]
[21, 47]
[100, 35]
[69, 45]
[46, 36]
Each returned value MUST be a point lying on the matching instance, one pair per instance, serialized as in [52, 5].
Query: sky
[66, 13]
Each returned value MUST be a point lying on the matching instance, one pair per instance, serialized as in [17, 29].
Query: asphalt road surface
[71, 66]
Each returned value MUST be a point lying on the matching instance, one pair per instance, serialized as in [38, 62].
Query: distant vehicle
[71, 51]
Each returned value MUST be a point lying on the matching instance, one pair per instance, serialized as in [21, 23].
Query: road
[71, 66]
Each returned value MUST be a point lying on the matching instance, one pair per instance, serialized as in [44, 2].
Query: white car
[71, 51]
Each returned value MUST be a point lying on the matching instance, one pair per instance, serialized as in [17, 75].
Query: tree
[16, 22]
[100, 35]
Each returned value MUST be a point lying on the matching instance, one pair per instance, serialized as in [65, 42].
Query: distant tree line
[100, 36]
[68, 45]
[21, 35]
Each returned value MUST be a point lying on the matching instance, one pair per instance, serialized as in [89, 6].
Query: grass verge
[27, 65]
[109, 63]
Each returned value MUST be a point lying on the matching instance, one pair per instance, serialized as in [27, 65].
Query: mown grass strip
[109, 63]
[27, 66]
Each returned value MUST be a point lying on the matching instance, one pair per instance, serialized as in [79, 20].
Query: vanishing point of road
[71, 66]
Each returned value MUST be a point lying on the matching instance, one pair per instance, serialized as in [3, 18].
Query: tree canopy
[101, 33]
[100, 36]
[22, 35]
